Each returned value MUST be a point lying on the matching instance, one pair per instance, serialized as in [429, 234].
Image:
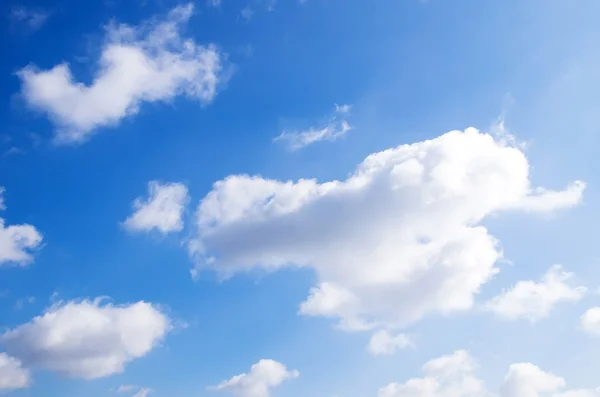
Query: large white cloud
[147, 63]
[87, 339]
[163, 210]
[455, 375]
[17, 241]
[399, 238]
[12, 374]
[533, 300]
[258, 382]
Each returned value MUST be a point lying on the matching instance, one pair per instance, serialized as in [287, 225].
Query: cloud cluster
[455, 375]
[162, 210]
[258, 382]
[147, 63]
[336, 127]
[398, 239]
[87, 339]
[17, 241]
[533, 300]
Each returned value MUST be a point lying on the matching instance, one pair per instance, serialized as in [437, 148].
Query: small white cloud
[404, 232]
[454, 375]
[590, 321]
[87, 339]
[144, 392]
[162, 210]
[12, 374]
[17, 242]
[527, 380]
[447, 376]
[533, 300]
[34, 19]
[336, 127]
[258, 382]
[383, 343]
[147, 63]
[214, 3]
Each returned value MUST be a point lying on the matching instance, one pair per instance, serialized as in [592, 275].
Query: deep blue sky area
[177, 170]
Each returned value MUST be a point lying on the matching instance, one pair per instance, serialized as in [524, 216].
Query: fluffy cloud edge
[262, 377]
[148, 63]
[87, 339]
[430, 195]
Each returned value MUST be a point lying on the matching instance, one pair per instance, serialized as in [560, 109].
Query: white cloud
[384, 343]
[34, 19]
[12, 375]
[17, 241]
[263, 376]
[590, 321]
[398, 239]
[448, 376]
[87, 339]
[336, 127]
[533, 300]
[163, 210]
[214, 3]
[527, 380]
[454, 376]
[147, 63]
[143, 392]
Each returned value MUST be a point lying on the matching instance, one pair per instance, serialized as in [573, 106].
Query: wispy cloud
[247, 13]
[126, 388]
[34, 19]
[21, 302]
[336, 127]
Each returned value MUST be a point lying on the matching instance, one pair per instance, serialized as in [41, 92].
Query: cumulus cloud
[533, 300]
[336, 127]
[17, 242]
[384, 343]
[527, 380]
[12, 374]
[400, 238]
[258, 382]
[446, 376]
[87, 339]
[162, 210]
[590, 321]
[147, 63]
[455, 375]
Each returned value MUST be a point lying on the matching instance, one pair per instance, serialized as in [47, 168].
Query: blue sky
[195, 204]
